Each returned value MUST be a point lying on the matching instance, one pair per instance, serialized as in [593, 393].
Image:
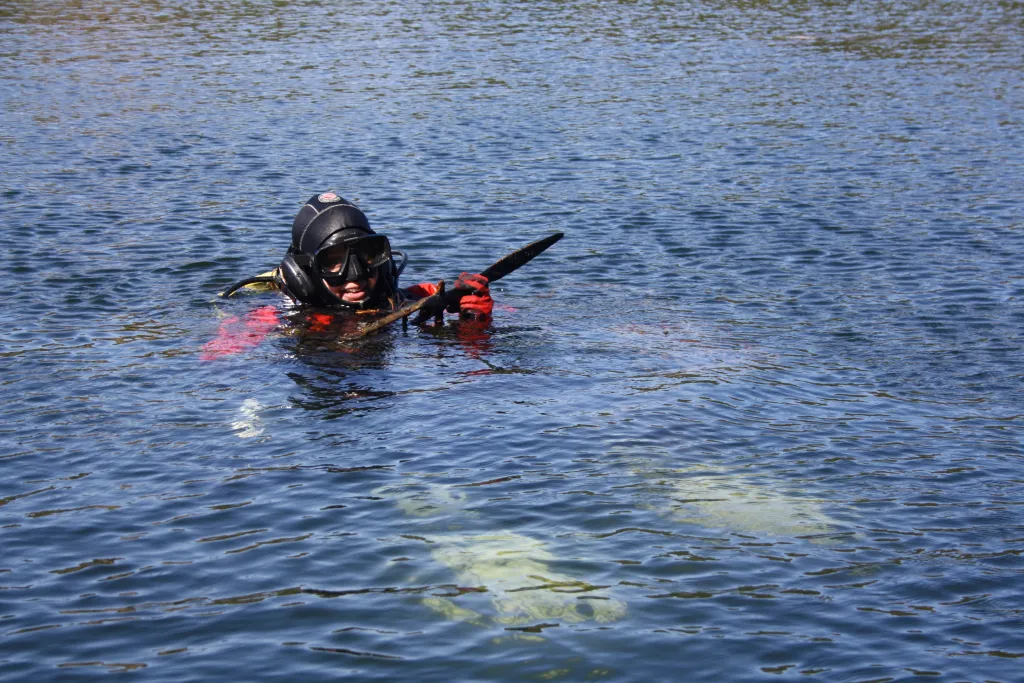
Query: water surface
[758, 416]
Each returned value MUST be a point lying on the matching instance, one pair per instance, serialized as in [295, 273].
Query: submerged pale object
[513, 569]
[426, 500]
[738, 503]
[745, 507]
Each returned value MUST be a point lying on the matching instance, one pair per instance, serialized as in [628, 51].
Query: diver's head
[335, 258]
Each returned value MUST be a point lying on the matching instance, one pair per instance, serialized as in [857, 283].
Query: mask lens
[374, 250]
[334, 263]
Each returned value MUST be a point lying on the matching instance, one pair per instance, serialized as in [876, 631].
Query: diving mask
[352, 259]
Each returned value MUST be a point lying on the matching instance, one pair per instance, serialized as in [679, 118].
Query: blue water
[759, 415]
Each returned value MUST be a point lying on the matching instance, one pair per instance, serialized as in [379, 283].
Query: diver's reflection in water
[338, 362]
[330, 394]
[471, 337]
[346, 372]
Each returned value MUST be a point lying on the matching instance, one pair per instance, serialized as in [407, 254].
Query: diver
[337, 267]
[337, 261]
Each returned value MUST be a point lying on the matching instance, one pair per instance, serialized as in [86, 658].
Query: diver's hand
[477, 303]
[432, 306]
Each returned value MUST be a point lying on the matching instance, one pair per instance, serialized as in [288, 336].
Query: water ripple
[757, 415]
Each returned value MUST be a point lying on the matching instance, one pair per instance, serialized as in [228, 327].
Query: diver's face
[354, 291]
[350, 271]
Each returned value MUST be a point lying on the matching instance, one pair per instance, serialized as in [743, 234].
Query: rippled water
[758, 416]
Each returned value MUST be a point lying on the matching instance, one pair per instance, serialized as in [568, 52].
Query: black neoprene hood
[322, 217]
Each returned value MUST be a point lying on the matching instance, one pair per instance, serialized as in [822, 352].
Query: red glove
[422, 290]
[478, 304]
